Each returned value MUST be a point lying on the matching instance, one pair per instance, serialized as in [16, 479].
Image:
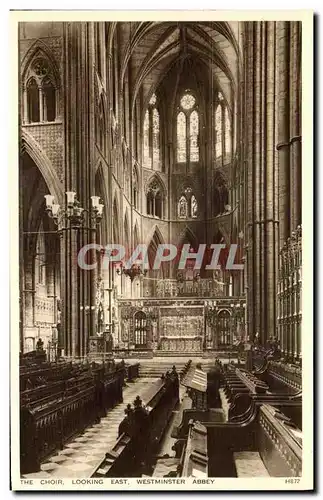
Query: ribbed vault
[150, 50]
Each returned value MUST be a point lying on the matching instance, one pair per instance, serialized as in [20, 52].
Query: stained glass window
[147, 157]
[152, 135]
[187, 205]
[181, 137]
[153, 100]
[227, 132]
[188, 130]
[194, 206]
[194, 132]
[182, 208]
[155, 137]
[218, 128]
[187, 101]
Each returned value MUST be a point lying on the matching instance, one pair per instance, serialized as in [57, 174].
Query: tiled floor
[80, 457]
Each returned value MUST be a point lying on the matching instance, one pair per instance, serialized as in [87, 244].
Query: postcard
[161, 256]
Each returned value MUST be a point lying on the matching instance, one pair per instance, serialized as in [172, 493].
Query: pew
[141, 430]
[240, 387]
[282, 377]
[46, 424]
[132, 371]
[59, 409]
[264, 443]
[265, 431]
[185, 369]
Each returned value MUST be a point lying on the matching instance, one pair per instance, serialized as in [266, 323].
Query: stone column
[51, 286]
[77, 285]
[258, 172]
[249, 175]
[41, 105]
[25, 104]
[261, 196]
[29, 293]
[283, 129]
[271, 223]
[283, 118]
[295, 124]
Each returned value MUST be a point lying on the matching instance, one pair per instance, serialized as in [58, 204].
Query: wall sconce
[70, 198]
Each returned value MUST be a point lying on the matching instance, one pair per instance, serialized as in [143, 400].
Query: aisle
[84, 453]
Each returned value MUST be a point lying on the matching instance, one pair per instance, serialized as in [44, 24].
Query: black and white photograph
[165, 340]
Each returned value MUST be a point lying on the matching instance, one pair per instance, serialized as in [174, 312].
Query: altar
[181, 328]
[181, 344]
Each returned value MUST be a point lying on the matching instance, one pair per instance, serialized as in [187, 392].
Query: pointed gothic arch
[40, 49]
[156, 240]
[135, 187]
[115, 221]
[100, 190]
[41, 85]
[31, 146]
[136, 239]
[101, 122]
[151, 135]
[220, 194]
[155, 197]
[126, 233]
[188, 236]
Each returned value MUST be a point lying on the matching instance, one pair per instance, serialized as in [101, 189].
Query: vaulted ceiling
[150, 49]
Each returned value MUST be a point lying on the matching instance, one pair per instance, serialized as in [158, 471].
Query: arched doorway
[140, 330]
[224, 318]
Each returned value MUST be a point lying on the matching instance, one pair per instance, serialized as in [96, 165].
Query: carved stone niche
[96, 344]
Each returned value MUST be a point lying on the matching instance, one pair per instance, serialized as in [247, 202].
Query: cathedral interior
[144, 134]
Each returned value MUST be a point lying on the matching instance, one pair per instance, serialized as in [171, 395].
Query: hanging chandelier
[134, 271]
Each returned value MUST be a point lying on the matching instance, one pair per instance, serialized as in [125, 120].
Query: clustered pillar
[273, 161]
[78, 285]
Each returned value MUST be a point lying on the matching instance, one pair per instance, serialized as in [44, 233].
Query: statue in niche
[40, 345]
[125, 330]
[108, 341]
[154, 330]
[182, 208]
[160, 289]
[100, 320]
